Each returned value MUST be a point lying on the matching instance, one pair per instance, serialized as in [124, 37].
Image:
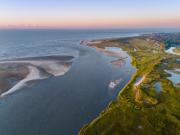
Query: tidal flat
[17, 73]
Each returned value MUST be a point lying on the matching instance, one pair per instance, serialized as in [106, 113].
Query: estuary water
[60, 105]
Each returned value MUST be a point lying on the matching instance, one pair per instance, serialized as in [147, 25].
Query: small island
[149, 103]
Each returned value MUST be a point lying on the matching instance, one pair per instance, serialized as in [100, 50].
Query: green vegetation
[177, 50]
[169, 39]
[139, 109]
[178, 84]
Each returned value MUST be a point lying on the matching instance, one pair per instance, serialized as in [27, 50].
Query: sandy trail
[140, 81]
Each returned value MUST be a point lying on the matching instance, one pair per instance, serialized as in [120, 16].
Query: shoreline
[116, 53]
[129, 96]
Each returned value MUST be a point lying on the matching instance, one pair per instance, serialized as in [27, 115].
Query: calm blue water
[175, 77]
[157, 87]
[60, 105]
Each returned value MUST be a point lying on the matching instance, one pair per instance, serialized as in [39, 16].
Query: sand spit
[111, 51]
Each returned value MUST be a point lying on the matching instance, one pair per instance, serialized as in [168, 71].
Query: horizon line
[86, 28]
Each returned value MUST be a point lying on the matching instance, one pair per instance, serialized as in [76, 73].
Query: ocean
[61, 105]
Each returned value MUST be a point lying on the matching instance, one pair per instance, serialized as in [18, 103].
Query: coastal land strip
[149, 104]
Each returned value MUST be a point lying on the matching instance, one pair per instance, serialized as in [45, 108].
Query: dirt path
[140, 81]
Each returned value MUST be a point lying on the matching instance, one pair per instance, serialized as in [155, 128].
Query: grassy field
[141, 109]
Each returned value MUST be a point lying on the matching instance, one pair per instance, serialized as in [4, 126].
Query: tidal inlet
[89, 68]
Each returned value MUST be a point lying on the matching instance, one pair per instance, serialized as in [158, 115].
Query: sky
[89, 13]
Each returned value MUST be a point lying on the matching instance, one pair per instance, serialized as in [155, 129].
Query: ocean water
[60, 105]
[28, 43]
[33, 42]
